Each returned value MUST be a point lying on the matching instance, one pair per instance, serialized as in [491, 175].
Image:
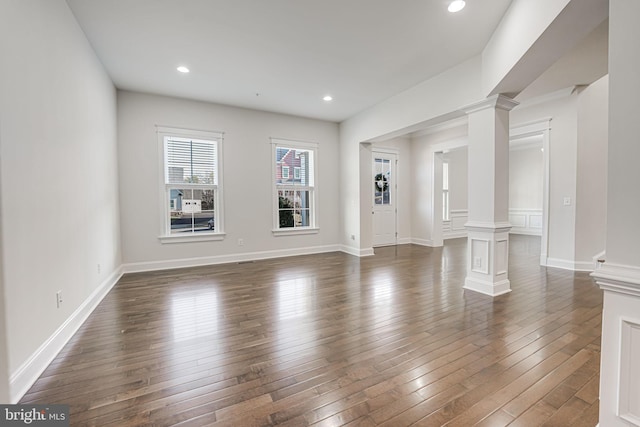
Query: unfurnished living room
[363, 212]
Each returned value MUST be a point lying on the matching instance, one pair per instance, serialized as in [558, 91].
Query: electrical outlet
[477, 262]
[353, 237]
[99, 268]
[240, 242]
[58, 299]
[566, 201]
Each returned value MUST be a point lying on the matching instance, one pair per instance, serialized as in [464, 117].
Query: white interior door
[384, 199]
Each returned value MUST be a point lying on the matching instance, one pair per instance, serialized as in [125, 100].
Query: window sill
[192, 238]
[295, 231]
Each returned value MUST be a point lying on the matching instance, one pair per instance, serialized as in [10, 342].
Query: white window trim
[164, 234]
[314, 228]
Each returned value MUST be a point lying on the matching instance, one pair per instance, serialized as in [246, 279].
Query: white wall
[623, 234]
[458, 172]
[591, 193]
[58, 135]
[247, 181]
[5, 389]
[422, 152]
[525, 178]
[562, 173]
[526, 169]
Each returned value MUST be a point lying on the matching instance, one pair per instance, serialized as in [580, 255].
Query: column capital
[618, 278]
[495, 101]
[492, 227]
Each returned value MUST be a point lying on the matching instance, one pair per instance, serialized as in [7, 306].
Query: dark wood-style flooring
[333, 340]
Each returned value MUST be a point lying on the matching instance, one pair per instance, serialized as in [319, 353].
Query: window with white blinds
[191, 183]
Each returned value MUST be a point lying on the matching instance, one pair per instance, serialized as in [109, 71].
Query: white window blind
[190, 161]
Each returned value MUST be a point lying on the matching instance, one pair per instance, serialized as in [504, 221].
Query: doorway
[384, 206]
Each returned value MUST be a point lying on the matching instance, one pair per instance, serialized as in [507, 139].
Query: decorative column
[619, 276]
[488, 226]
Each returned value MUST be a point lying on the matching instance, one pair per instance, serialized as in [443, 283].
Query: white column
[488, 226]
[619, 276]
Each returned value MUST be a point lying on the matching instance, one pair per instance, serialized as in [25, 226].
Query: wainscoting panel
[526, 221]
[454, 228]
[629, 392]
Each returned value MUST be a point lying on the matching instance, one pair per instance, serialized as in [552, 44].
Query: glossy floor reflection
[331, 339]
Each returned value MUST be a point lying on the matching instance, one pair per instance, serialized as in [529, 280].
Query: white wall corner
[27, 374]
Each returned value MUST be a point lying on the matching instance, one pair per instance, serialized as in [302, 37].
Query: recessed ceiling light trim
[456, 6]
[183, 69]
[327, 98]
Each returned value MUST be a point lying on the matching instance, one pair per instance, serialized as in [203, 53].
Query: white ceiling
[284, 55]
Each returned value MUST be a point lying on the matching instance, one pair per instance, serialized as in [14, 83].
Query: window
[294, 194]
[191, 185]
[381, 178]
[445, 191]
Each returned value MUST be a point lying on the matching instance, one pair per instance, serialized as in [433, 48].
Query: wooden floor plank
[332, 340]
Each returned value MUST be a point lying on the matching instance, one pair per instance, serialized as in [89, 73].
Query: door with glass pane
[384, 203]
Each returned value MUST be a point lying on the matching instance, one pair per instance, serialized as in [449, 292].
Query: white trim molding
[27, 374]
[495, 227]
[498, 101]
[566, 264]
[526, 221]
[619, 387]
[357, 252]
[628, 385]
[618, 278]
[455, 226]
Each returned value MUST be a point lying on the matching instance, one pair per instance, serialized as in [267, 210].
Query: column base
[488, 258]
[487, 287]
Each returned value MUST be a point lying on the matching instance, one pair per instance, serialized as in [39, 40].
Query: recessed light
[182, 69]
[328, 98]
[456, 6]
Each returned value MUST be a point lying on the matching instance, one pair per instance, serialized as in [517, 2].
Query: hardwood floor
[333, 340]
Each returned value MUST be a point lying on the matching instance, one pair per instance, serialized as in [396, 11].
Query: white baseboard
[526, 232]
[404, 241]
[486, 287]
[27, 374]
[569, 265]
[423, 242]
[357, 252]
[138, 267]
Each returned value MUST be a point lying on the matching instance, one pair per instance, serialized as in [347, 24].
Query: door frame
[541, 127]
